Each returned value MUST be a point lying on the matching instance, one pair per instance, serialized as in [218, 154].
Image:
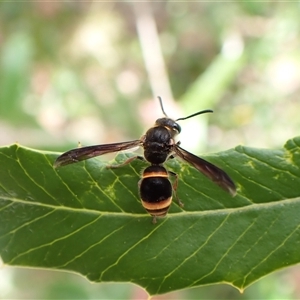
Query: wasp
[159, 145]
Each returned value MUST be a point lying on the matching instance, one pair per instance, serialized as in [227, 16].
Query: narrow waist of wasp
[155, 174]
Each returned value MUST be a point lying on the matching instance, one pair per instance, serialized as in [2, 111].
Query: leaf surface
[88, 219]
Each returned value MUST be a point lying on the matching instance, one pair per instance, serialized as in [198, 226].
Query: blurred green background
[92, 71]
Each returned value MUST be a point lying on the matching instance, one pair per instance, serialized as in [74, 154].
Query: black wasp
[159, 145]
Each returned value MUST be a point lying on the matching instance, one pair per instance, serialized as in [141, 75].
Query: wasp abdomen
[156, 190]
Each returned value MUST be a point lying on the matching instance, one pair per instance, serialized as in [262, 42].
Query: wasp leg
[175, 185]
[154, 220]
[126, 162]
[173, 155]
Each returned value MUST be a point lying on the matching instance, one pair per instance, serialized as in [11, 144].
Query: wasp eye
[177, 127]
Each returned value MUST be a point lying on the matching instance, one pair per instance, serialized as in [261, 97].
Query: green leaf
[88, 219]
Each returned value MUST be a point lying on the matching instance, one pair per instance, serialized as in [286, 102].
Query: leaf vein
[34, 182]
[131, 248]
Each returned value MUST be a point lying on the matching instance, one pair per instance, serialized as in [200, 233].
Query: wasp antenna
[161, 105]
[196, 114]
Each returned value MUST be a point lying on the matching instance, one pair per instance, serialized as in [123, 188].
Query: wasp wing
[78, 154]
[209, 170]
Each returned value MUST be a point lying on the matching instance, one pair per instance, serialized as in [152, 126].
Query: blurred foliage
[75, 70]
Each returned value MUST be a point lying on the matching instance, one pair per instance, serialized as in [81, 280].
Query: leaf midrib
[170, 214]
